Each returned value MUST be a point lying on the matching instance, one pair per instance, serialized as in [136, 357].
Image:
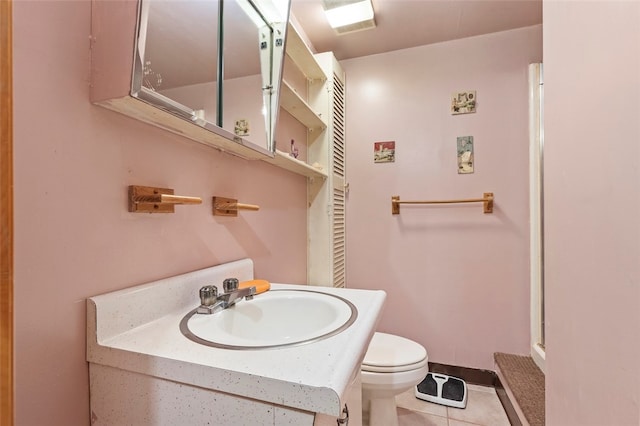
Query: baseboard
[480, 377]
[472, 376]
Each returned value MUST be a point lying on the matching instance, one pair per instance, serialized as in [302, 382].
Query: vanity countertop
[137, 329]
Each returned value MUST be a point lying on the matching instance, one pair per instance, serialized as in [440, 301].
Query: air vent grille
[339, 253]
[338, 169]
[339, 136]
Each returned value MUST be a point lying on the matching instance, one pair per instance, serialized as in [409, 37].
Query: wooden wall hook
[223, 206]
[149, 199]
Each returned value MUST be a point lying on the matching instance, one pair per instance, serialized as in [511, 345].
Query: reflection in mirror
[232, 91]
[246, 44]
[178, 51]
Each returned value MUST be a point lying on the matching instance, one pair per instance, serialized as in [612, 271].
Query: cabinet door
[327, 199]
[338, 177]
[352, 402]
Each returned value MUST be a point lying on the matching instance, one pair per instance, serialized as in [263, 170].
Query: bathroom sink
[274, 319]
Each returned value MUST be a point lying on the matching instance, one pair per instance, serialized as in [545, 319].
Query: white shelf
[302, 56]
[148, 113]
[296, 106]
[304, 60]
[287, 162]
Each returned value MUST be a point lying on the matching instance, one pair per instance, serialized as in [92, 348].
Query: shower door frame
[536, 206]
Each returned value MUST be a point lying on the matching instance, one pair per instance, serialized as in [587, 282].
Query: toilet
[392, 365]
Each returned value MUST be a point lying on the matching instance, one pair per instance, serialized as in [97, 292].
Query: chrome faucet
[212, 302]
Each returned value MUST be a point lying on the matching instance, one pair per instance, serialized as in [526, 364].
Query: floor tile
[461, 423]
[414, 418]
[409, 401]
[483, 408]
[480, 388]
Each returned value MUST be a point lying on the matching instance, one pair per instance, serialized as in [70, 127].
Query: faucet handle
[208, 295]
[230, 284]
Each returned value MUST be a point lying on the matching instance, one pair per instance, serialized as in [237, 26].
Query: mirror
[215, 63]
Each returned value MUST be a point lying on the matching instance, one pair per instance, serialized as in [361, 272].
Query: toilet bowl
[392, 365]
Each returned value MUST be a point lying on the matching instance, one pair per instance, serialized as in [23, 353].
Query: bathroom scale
[443, 389]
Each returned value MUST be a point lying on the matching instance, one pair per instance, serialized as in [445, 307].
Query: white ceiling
[409, 23]
[184, 32]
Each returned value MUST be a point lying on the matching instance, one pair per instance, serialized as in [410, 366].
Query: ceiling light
[351, 16]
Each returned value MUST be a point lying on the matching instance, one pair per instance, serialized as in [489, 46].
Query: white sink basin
[273, 319]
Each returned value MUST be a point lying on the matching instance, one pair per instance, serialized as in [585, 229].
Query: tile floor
[483, 409]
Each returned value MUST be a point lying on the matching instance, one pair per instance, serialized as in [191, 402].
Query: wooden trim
[472, 376]
[505, 400]
[6, 213]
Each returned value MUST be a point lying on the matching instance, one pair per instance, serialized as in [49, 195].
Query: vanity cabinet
[144, 371]
[352, 407]
[121, 397]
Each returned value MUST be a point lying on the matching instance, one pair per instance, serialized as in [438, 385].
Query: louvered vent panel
[338, 162]
[338, 168]
[338, 127]
[338, 238]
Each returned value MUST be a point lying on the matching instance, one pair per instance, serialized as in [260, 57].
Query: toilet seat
[388, 353]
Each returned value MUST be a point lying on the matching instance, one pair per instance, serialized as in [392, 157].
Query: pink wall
[592, 206]
[73, 235]
[457, 279]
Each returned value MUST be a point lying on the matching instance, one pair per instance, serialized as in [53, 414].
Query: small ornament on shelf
[294, 149]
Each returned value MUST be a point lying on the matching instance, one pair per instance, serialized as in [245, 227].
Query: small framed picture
[465, 155]
[384, 152]
[463, 102]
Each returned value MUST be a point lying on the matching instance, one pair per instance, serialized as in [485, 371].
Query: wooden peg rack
[229, 206]
[149, 199]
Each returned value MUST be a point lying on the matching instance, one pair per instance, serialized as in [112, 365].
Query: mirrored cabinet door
[209, 70]
[181, 53]
[246, 72]
[213, 62]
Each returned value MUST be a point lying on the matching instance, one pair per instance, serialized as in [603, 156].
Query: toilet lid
[388, 352]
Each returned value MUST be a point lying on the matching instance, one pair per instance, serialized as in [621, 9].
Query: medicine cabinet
[208, 70]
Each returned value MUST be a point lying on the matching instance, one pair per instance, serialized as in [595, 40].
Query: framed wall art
[384, 152]
[465, 154]
[463, 102]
